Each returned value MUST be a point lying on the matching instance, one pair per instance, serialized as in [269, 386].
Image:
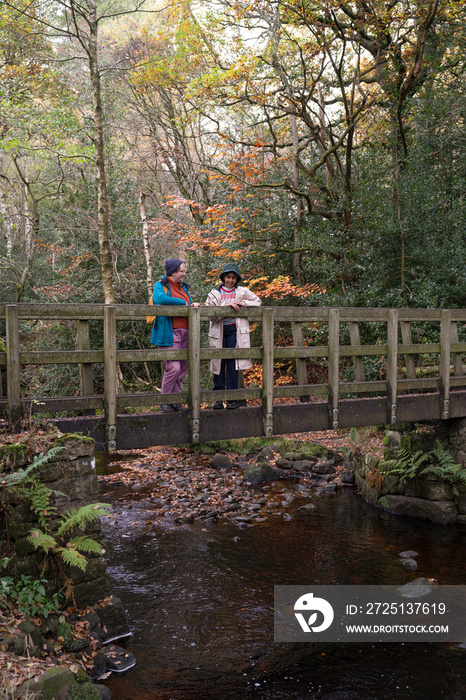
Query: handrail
[450, 373]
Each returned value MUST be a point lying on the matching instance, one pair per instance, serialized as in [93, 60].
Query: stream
[199, 600]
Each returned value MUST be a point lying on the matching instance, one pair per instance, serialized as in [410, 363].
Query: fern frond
[72, 557]
[433, 470]
[41, 539]
[78, 518]
[86, 544]
[24, 475]
[443, 457]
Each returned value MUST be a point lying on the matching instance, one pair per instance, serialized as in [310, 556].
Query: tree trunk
[102, 198]
[146, 243]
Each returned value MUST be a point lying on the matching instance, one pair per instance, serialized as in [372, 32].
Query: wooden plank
[365, 387]
[149, 399]
[209, 395]
[301, 367]
[151, 355]
[421, 383]
[392, 363]
[58, 404]
[194, 377]
[295, 390]
[333, 365]
[267, 369]
[229, 353]
[13, 367]
[60, 357]
[416, 348]
[283, 313]
[110, 374]
[445, 339]
[309, 351]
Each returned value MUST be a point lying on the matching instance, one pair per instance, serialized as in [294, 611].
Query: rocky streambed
[181, 486]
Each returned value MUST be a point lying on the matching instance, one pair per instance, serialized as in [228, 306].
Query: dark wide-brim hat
[230, 267]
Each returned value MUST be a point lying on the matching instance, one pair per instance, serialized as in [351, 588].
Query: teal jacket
[162, 330]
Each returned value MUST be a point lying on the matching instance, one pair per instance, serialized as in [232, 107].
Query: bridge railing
[393, 325]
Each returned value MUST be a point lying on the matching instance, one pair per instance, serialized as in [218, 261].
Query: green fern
[22, 476]
[72, 557]
[443, 457]
[446, 469]
[42, 540]
[71, 552]
[61, 545]
[410, 466]
[86, 544]
[78, 518]
[406, 464]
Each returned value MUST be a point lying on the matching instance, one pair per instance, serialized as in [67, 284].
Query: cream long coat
[245, 297]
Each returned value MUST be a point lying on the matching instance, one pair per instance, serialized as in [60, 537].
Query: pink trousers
[175, 370]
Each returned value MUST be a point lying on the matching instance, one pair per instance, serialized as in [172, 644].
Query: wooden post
[445, 339]
[267, 368]
[241, 402]
[392, 363]
[12, 368]
[110, 374]
[456, 356]
[355, 339]
[333, 365]
[407, 340]
[301, 367]
[194, 355]
[85, 368]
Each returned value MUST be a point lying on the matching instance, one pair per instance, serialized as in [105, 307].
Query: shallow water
[200, 598]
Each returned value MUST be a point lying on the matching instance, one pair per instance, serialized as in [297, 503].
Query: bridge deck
[405, 390]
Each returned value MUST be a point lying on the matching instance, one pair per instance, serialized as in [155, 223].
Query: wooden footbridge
[415, 381]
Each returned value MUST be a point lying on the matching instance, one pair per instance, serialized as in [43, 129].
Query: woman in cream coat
[232, 332]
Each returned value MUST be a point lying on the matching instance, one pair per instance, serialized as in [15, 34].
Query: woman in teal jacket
[173, 291]
[162, 330]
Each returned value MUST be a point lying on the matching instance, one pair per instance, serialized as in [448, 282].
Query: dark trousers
[227, 368]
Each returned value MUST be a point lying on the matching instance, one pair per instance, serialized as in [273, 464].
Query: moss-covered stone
[55, 683]
[405, 442]
[89, 592]
[74, 446]
[371, 461]
[390, 484]
[13, 456]
[17, 530]
[246, 446]
[383, 503]
[22, 547]
[64, 630]
[84, 691]
[430, 489]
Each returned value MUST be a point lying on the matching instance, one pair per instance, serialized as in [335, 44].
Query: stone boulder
[221, 461]
[430, 489]
[266, 455]
[324, 467]
[443, 512]
[368, 492]
[261, 472]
